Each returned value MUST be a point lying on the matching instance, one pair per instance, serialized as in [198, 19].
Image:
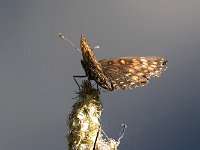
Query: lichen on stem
[85, 131]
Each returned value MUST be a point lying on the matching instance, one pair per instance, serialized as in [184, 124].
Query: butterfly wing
[131, 72]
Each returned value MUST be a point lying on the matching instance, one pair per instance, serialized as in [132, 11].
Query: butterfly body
[92, 67]
[122, 72]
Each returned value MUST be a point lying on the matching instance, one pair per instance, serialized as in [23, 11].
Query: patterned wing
[131, 72]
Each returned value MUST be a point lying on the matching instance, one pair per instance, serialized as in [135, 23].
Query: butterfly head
[87, 51]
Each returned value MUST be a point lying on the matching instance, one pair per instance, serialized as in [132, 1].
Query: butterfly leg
[98, 88]
[76, 80]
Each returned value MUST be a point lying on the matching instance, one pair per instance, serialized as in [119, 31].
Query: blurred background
[36, 69]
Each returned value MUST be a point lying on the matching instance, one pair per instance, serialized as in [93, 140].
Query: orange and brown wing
[131, 72]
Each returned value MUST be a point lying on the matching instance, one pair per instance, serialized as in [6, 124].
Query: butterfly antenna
[66, 39]
[96, 47]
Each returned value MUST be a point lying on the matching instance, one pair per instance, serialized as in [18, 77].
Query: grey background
[36, 69]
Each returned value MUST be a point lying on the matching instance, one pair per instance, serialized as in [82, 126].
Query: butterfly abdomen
[95, 73]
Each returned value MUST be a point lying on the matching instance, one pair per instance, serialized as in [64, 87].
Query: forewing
[131, 72]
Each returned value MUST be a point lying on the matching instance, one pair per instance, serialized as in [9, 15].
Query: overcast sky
[36, 69]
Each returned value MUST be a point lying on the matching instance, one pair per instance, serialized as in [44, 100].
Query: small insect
[121, 72]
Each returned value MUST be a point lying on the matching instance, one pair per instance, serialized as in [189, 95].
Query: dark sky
[36, 69]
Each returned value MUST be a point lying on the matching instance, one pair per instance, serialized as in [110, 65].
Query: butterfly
[120, 72]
